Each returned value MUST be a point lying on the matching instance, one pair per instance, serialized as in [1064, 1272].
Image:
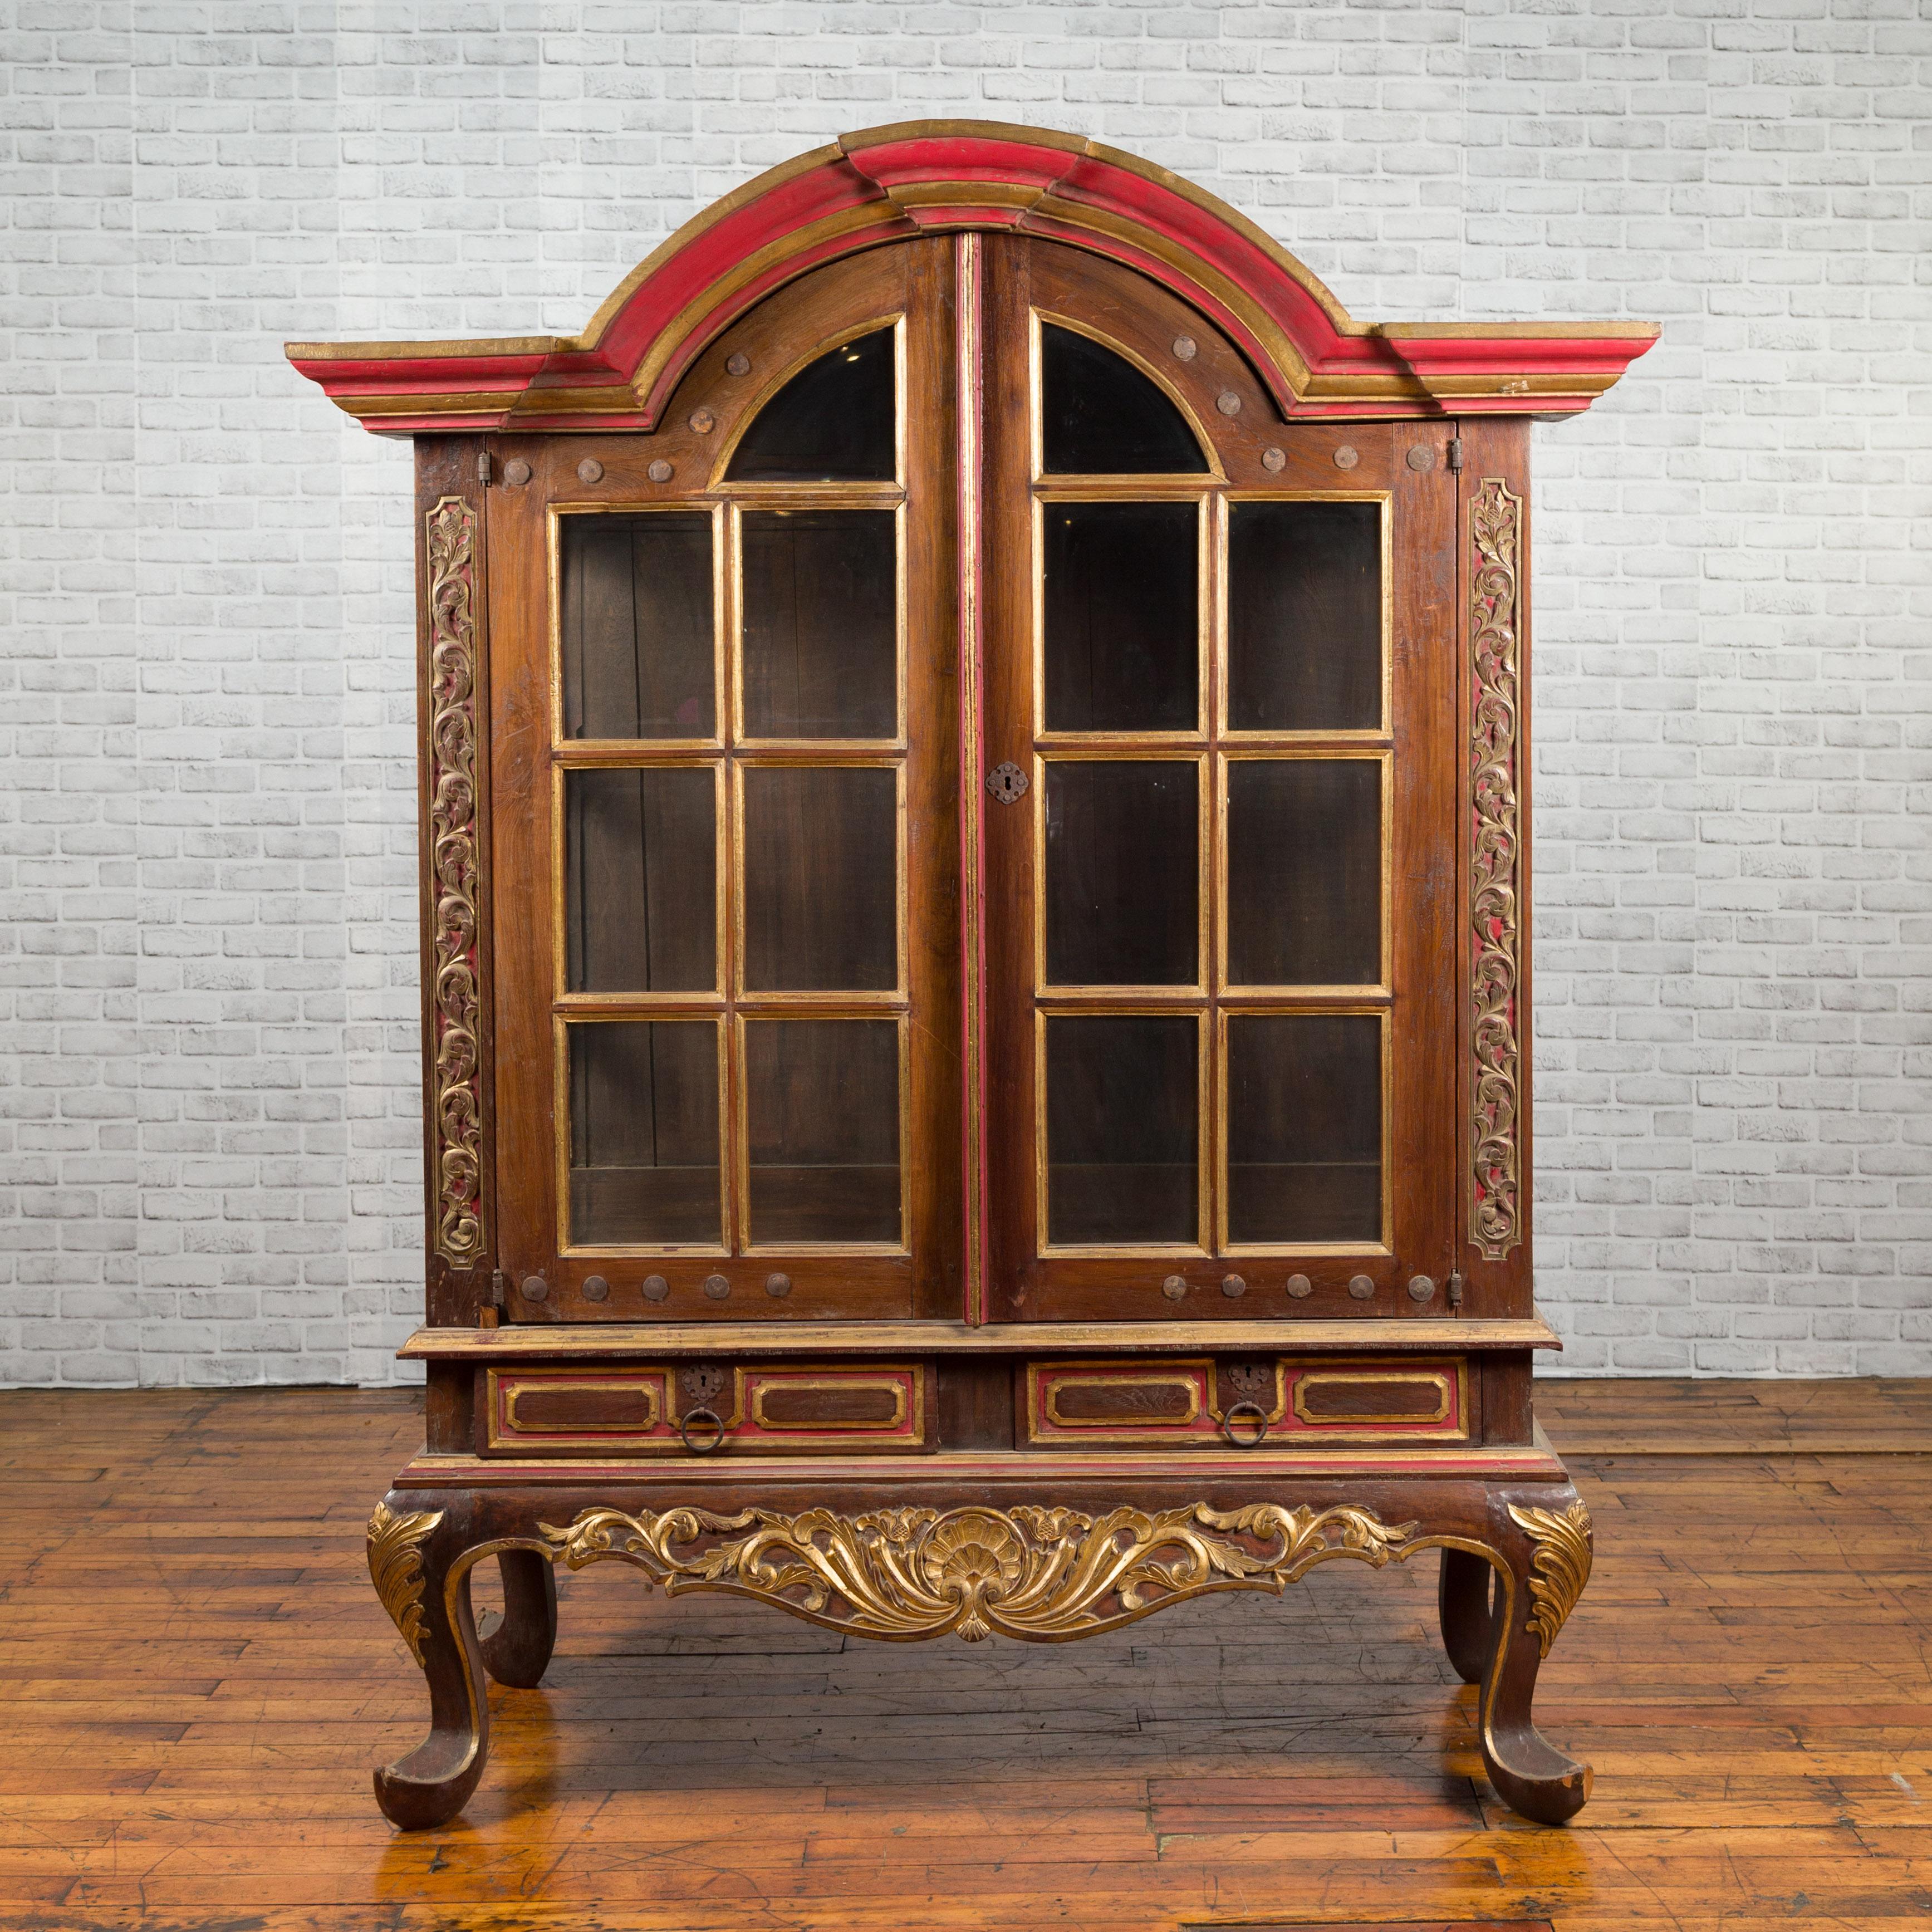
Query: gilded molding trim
[1032, 1571]
[395, 1567]
[456, 1114]
[1495, 530]
[1560, 1567]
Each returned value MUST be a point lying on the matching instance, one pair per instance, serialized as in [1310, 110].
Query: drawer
[784, 1407]
[1305, 1399]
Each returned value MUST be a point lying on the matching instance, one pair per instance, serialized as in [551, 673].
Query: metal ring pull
[707, 1415]
[1244, 1408]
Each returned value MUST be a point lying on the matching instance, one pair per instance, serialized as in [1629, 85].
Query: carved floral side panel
[1495, 532]
[456, 1113]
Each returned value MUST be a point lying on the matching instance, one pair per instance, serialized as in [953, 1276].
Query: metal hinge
[1455, 1286]
[499, 1288]
[483, 467]
[1455, 452]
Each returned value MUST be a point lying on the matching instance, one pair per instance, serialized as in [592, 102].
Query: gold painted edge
[933, 1473]
[783, 1337]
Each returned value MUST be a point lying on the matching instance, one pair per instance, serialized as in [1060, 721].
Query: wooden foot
[411, 1554]
[1545, 1540]
[516, 1646]
[1462, 1601]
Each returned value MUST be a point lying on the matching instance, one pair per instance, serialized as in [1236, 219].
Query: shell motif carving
[395, 1567]
[1558, 1569]
[1032, 1571]
[456, 1117]
[1495, 526]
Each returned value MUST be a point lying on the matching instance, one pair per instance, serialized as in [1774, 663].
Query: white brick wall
[209, 1156]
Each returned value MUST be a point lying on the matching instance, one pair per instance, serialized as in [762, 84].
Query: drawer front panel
[785, 1407]
[1094, 1404]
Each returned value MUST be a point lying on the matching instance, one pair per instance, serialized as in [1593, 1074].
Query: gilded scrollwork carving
[1495, 528]
[456, 1115]
[395, 1567]
[1559, 1567]
[1032, 1571]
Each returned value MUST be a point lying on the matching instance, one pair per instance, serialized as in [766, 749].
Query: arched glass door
[1212, 1018]
[730, 722]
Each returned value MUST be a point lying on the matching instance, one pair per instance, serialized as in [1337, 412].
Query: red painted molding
[890, 184]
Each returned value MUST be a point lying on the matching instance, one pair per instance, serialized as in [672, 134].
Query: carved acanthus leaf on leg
[396, 1568]
[1559, 1568]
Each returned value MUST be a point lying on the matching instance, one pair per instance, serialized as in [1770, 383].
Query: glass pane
[644, 1133]
[1123, 649]
[831, 422]
[1305, 617]
[641, 859]
[821, 879]
[1304, 872]
[637, 644]
[1122, 879]
[1305, 1128]
[1099, 416]
[822, 1105]
[820, 657]
[1121, 1130]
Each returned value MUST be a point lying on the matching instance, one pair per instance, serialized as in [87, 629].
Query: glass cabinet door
[751, 886]
[1202, 993]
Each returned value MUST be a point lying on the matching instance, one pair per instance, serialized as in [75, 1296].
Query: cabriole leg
[1545, 1540]
[411, 1554]
[517, 1650]
[1463, 1600]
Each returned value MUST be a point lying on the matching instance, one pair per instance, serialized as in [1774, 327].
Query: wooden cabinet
[975, 911]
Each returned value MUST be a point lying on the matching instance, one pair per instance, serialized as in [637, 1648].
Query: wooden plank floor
[195, 1679]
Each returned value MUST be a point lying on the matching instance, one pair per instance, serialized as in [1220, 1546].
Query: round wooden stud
[738, 363]
[1233, 1286]
[535, 1288]
[660, 471]
[716, 1287]
[596, 1288]
[1420, 1287]
[1175, 1288]
[1347, 457]
[516, 472]
[1361, 1287]
[1185, 349]
[777, 1286]
[1421, 456]
[1227, 403]
[656, 1287]
[1300, 1287]
[1273, 461]
[590, 471]
[703, 421]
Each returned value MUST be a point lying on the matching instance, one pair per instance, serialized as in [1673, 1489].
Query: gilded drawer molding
[1435, 1387]
[1070, 1405]
[636, 1410]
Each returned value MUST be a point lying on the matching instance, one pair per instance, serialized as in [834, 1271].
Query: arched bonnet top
[888, 184]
